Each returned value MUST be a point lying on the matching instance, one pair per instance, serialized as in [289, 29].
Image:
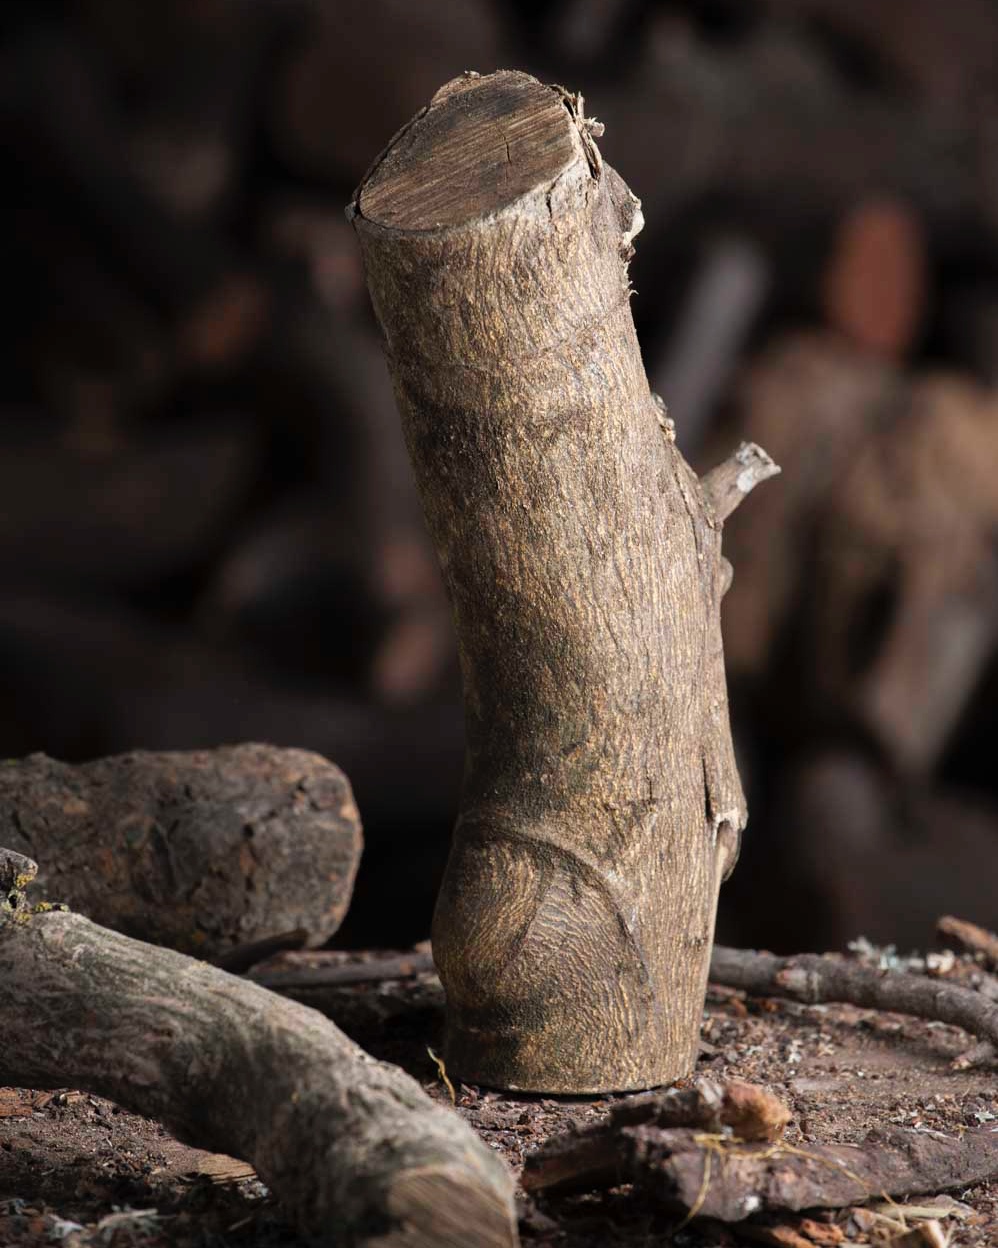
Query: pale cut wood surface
[471, 151]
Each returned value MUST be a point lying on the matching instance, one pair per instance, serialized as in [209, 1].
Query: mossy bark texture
[601, 804]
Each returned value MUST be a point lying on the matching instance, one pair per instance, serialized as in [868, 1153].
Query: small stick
[352, 1147]
[727, 485]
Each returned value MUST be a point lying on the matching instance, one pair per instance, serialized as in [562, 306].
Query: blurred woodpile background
[209, 532]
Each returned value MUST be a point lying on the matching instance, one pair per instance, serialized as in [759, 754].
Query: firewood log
[601, 805]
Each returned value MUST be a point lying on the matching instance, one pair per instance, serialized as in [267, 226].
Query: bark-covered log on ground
[730, 1181]
[201, 851]
[602, 805]
[591, 1157]
[352, 1147]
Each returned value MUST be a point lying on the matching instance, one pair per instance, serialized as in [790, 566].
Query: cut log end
[444, 1206]
[480, 145]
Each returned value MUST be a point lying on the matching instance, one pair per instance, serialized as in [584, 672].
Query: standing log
[353, 1149]
[601, 804]
[202, 851]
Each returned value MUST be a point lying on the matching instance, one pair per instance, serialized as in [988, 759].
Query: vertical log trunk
[601, 804]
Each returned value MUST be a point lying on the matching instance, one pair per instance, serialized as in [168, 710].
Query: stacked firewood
[210, 530]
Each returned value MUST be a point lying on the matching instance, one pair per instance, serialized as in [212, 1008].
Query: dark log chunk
[353, 1149]
[89, 681]
[199, 851]
[583, 561]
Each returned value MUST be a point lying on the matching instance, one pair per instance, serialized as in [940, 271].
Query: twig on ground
[815, 978]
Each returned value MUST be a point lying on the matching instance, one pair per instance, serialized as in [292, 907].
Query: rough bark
[601, 803]
[590, 1157]
[731, 1181]
[202, 851]
[352, 1147]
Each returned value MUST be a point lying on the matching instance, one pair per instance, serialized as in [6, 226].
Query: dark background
[208, 528]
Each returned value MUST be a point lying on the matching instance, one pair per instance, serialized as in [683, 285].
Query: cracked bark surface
[201, 850]
[353, 1149]
[601, 805]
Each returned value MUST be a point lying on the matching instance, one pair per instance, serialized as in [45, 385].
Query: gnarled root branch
[352, 1147]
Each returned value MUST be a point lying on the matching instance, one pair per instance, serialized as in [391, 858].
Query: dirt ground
[79, 1171]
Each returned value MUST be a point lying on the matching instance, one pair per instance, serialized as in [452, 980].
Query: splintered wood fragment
[969, 936]
[201, 851]
[815, 978]
[731, 481]
[731, 1181]
[496, 243]
[589, 1157]
[352, 1148]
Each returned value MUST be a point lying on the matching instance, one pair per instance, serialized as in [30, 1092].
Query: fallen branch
[970, 937]
[199, 851]
[353, 1149]
[729, 1181]
[704, 1173]
[590, 1157]
[813, 979]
